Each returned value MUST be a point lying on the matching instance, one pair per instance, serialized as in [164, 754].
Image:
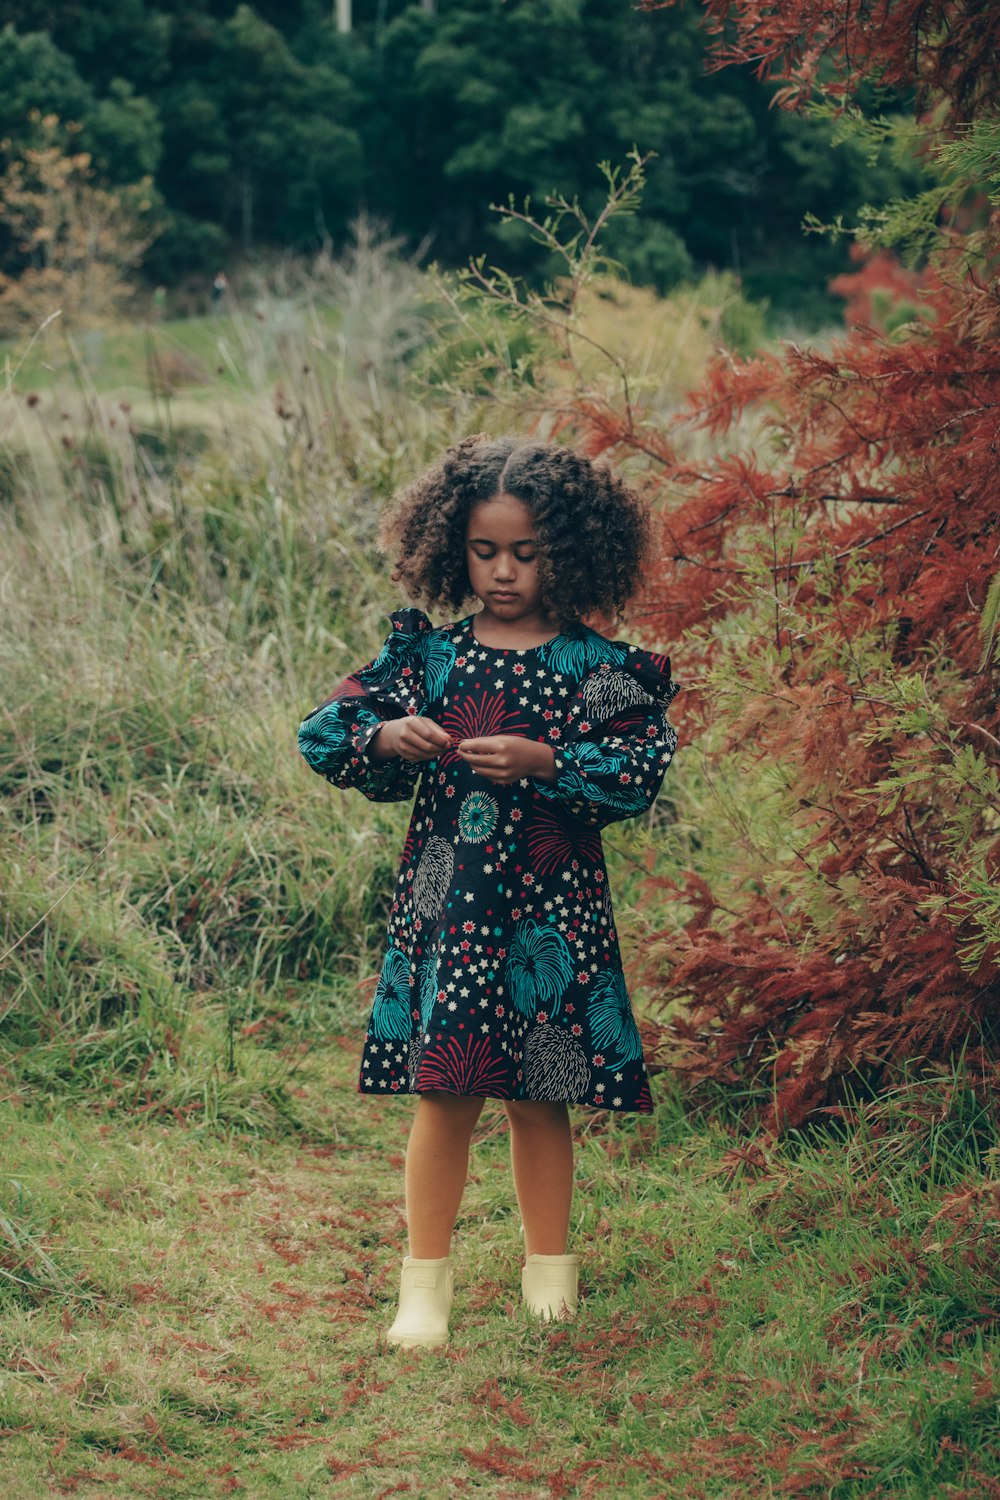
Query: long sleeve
[335, 738]
[616, 741]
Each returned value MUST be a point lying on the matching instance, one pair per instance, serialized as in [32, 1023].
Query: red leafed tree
[941, 49]
[827, 583]
[881, 293]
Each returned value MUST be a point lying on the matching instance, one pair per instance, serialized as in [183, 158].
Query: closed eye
[523, 551]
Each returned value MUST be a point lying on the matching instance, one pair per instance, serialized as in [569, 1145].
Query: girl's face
[501, 549]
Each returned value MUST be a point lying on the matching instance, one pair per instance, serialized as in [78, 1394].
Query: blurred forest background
[245, 129]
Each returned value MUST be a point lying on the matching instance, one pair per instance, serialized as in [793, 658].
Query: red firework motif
[553, 846]
[458, 1069]
[629, 721]
[349, 688]
[475, 718]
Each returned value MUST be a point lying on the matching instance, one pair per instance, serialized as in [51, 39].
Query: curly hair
[593, 531]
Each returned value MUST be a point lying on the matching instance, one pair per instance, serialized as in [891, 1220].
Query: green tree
[121, 130]
[262, 125]
[35, 75]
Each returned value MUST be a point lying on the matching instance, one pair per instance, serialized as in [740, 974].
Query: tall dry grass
[186, 570]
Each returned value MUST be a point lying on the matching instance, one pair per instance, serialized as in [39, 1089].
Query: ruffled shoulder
[415, 651]
[405, 645]
[621, 677]
[651, 670]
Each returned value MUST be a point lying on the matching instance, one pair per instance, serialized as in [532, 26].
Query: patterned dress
[502, 974]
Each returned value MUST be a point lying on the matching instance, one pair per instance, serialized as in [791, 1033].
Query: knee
[537, 1114]
[457, 1109]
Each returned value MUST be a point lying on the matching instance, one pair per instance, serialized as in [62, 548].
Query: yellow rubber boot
[425, 1295]
[549, 1284]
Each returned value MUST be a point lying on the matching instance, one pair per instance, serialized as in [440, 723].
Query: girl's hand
[504, 758]
[412, 738]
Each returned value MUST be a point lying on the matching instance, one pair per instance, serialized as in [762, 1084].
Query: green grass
[224, 353]
[188, 1311]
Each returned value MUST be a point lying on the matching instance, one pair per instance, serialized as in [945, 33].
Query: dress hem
[611, 1109]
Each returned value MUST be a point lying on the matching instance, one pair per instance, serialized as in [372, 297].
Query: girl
[526, 732]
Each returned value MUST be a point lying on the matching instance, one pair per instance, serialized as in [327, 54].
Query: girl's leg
[437, 1164]
[541, 1154]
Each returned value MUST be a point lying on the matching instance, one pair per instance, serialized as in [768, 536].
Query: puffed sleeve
[616, 741]
[335, 737]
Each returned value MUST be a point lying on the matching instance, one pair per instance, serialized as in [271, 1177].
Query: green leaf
[988, 623]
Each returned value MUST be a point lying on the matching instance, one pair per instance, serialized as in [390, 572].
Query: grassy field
[196, 1313]
[201, 1222]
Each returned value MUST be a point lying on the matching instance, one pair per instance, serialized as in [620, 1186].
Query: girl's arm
[613, 748]
[616, 776]
[340, 738]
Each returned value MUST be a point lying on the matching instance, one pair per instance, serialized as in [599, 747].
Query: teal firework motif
[322, 734]
[624, 799]
[477, 817]
[438, 662]
[596, 758]
[398, 646]
[391, 1010]
[612, 1024]
[576, 654]
[539, 967]
[428, 990]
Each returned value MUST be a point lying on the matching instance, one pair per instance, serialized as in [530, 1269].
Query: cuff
[366, 731]
[557, 788]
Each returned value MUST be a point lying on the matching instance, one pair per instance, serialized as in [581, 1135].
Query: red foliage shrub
[882, 292]
[879, 514]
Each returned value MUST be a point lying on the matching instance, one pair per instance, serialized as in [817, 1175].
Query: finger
[421, 735]
[427, 746]
[501, 778]
[486, 745]
[429, 751]
[487, 762]
[433, 733]
[492, 776]
[412, 748]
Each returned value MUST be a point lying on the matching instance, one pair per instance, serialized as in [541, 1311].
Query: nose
[504, 568]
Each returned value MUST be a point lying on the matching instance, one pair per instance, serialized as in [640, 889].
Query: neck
[533, 630]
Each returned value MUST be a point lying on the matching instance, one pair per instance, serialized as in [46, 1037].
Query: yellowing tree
[67, 244]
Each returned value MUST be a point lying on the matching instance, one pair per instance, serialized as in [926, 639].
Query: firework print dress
[502, 974]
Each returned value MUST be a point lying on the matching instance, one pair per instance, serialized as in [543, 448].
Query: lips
[502, 595]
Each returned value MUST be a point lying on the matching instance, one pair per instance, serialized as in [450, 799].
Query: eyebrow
[486, 541]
